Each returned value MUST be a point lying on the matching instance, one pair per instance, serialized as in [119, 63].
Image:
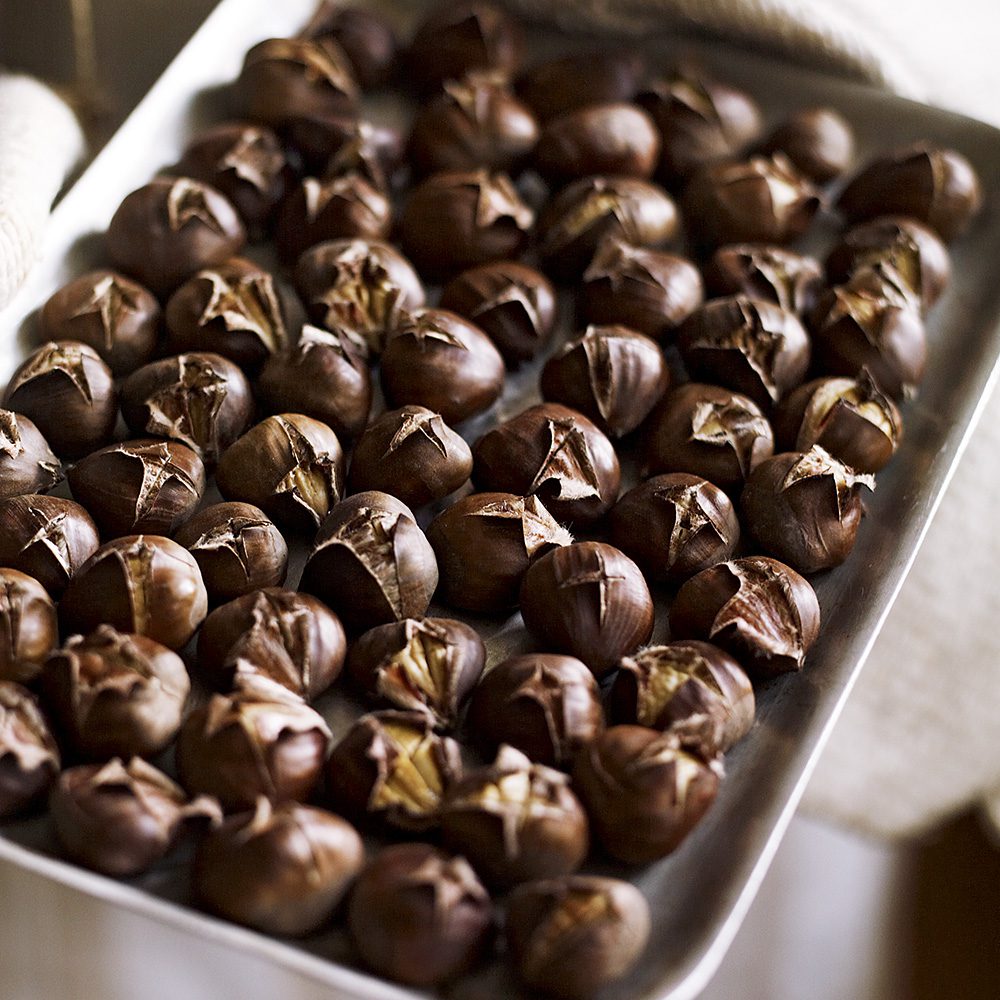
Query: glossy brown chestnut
[29, 630]
[259, 740]
[425, 665]
[911, 248]
[647, 290]
[588, 211]
[245, 162]
[365, 36]
[114, 315]
[757, 609]
[750, 346]
[237, 548]
[570, 936]
[436, 359]
[199, 399]
[418, 916]
[674, 526]
[512, 303]
[412, 454]
[290, 466]
[850, 417]
[474, 122]
[931, 183]
[27, 464]
[761, 200]
[29, 756]
[335, 145]
[459, 218]
[392, 768]
[555, 453]
[766, 273]
[457, 37]
[643, 791]
[115, 695]
[170, 228]
[121, 819]
[47, 538]
[140, 584]
[691, 689]
[589, 600]
[360, 288]
[818, 141]
[546, 705]
[68, 393]
[371, 562]
[610, 373]
[142, 486]
[485, 543]
[805, 508]
[289, 638]
[282, 869]
[710, 432]
[232, 310]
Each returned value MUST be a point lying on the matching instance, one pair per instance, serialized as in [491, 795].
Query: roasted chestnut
[365, 36]
[29, 756]
[29, 630]
[589, 600]
[766, 273]
[335, 145]
[819, 141]
[757, 609]
[27, 464]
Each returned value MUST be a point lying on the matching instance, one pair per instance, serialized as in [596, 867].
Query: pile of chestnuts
[343, 403]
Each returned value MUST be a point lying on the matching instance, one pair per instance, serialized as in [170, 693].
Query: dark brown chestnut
[457, 37]
[47, 538]
[365, 36]
[485, 543]
[27, 464]
[29, 630]
[289, 638]
[648, 290]
[237, 548]
[674, 526]
[643, 791]
[121, 819]
[392, 768]
[199, 399]
[68, 393]
[750, 346]
[282, 869]
[761, 200]
[114, 315]
[289, 465]
[593, 209]
[425, 665]
[459, 218]
[512, 303]
[691, 689]
[850, 417]
[436, 359]
[710, 432]
[371, 562]
[259, 740]
[553, 452]
[589, 600]
[335, 145]
[931, 183]
[359, 288]
[412, 454]
[418, 916]
[29, 756]
[546, 705]
[140, 584]
[757, 609]
[143, 486]
[474, 122]
[610, 373]
[115, 695]
[766, 273]
[818, 141]
[170, 228]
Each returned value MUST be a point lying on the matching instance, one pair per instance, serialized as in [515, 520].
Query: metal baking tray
[700, 894]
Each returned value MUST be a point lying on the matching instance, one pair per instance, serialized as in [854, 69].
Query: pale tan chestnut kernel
[27, 463]
[392, 767]
[29, 629]
[29, 755]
